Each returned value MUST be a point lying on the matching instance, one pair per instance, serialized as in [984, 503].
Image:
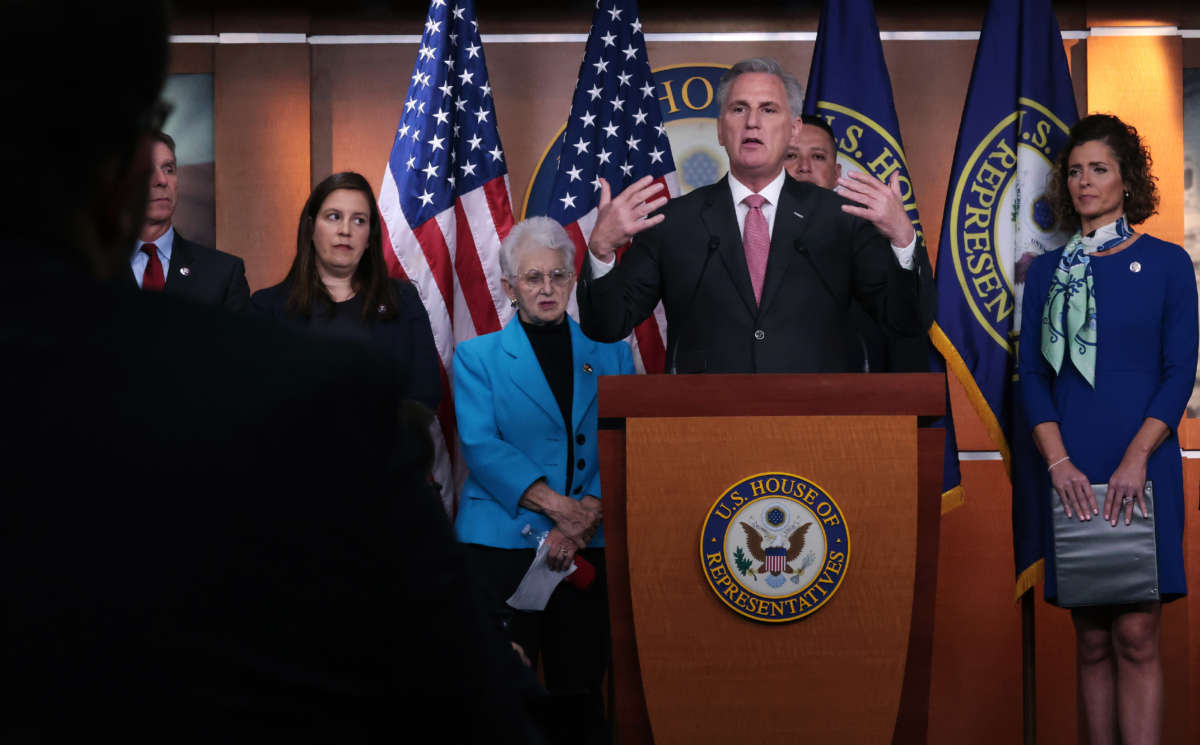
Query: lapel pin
[382, 308]
[184, 271]
[797, 214]
[1135, 267]
[587, 368]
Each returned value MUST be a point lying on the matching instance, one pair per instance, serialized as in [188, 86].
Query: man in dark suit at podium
[755, 272]
[166, 261]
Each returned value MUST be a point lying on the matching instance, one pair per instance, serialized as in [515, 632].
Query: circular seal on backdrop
[774, 547]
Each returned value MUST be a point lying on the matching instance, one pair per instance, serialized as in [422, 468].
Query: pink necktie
[756, 239]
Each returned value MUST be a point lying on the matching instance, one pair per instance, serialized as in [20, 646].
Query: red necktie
[756, 240]
[152, 278]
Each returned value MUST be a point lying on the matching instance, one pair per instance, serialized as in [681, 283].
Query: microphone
[714, 242]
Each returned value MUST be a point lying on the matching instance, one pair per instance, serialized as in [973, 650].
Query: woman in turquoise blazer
[525, 398]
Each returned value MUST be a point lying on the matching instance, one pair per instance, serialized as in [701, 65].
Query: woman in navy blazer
[525, 398]
[338, 287]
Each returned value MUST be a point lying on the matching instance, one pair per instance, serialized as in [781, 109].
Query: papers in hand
[538, 583]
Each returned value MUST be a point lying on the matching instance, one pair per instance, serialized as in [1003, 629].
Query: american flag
[445, 201]
[615, 132]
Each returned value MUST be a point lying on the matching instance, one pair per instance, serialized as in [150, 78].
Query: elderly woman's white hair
[541, 232]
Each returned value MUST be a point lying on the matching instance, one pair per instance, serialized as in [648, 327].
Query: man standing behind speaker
[812, 157]
[756, 272]
[165, 261]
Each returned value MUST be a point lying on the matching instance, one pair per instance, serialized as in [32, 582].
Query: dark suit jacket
[204, 539]
[820, 258]
[205, 275]
[407, 339]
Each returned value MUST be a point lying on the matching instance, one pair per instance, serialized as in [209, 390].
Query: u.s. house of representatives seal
[775, 547]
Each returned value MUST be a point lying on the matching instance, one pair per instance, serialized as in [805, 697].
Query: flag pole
[1028, 669]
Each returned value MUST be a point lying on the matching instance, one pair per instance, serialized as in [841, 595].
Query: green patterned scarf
[1070, 309]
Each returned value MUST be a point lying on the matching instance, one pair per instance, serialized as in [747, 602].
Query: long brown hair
[370, 279]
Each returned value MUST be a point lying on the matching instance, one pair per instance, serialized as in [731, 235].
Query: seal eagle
[754, 542]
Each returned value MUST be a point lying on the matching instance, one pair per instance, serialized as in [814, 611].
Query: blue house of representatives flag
[849, 86]
[1019, 109]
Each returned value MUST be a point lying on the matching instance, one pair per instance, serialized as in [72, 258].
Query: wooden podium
[689, 669]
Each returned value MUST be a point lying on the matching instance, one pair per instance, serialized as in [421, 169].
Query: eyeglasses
[534, 279]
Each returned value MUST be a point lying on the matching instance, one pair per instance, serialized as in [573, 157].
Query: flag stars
[412, 162]
[474, 142]
[410, 104]
[460, 103]
[458, 12]
[568, 201]
[436, 142]
[473, 51]
[485, 89]
[603, 156]
[450, 180]
[426, 198]
[453, 40]
[403, 131]
[632, 142]
[624, 77]
[481, 115]
[468, 168]
[430, 170]
[596, 183]
[609, 39]
[647, 90]
[446, 88]
[615, 13]
[496, 153]
[449, 64]
[574, 173]
[610, 129]
[595, 92]
[425, 52]
[601, 66]
[581, 146]
[636, 25]
[626, 169]
[432, 26]
[639, 117]
[661, 129]
[656, 156]
[618, 104]
[467, 77]
[630, 52]
[416, 135]
[588, 119]
[441, 116]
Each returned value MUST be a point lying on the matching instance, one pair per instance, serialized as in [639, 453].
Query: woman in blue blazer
[525, 398]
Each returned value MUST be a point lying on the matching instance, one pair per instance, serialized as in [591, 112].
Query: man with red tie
[165, 261]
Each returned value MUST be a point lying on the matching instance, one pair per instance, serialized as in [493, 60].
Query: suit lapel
[719, 218]
[583, 374]
[525, 370]
[181, 259]
[791, 222]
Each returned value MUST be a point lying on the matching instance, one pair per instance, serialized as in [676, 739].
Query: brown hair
[370, 278]
[1133, 160]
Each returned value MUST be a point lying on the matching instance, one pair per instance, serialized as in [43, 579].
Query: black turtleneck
[552, 345]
